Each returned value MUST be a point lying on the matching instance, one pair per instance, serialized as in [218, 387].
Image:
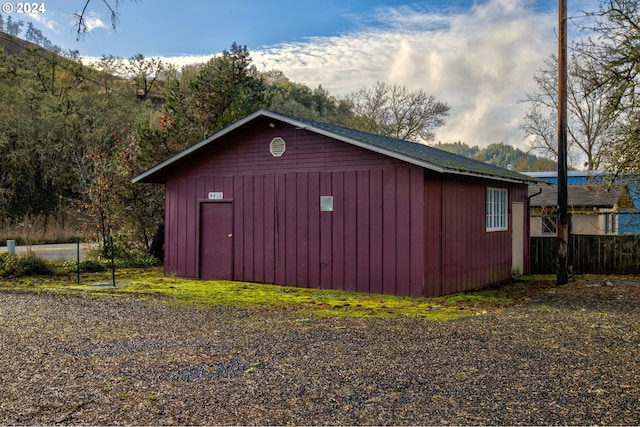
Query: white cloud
[480, 61]
[93, 21]
[43, 20]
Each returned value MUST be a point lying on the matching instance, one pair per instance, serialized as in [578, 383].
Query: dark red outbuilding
[276, 199]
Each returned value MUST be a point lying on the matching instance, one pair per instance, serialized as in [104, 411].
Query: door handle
[230, 235]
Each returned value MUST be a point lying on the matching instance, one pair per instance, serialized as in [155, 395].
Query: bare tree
[617, 48]
[591, 121]
[396, 111]
[145, 72]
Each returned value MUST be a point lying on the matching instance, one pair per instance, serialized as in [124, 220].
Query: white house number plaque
[216, 195]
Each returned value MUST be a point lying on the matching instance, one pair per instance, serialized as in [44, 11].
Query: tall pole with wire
[563, 215]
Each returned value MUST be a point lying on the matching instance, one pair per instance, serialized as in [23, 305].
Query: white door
[517, 238]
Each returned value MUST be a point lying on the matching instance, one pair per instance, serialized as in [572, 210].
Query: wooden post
[563, 216]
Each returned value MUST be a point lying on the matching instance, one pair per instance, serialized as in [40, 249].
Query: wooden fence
[588, 254]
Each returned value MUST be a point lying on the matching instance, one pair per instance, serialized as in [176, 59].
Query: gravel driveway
[555, 360]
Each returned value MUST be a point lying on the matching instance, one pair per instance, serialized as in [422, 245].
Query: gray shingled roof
[419, 154]
[580, 196]
[444, 160]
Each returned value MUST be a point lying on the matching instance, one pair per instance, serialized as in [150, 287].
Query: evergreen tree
[12, 27]
[209, 97]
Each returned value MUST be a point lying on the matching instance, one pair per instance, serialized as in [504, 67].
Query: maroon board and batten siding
[370, 242]
[455, 227]
[395, 228]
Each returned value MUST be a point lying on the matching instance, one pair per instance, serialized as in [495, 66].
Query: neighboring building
[593, 209]
[618, 218]
[275, 199]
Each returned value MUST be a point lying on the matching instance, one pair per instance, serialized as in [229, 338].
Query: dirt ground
[566, 355]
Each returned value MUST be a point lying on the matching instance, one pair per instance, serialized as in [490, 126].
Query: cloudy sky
[477, 56]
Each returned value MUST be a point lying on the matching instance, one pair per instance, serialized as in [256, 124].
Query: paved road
[57, 252]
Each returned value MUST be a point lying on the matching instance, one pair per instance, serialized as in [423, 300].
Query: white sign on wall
[216, 195]
[326, 203]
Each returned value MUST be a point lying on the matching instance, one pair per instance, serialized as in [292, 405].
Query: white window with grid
[549, 222]
[496, 209]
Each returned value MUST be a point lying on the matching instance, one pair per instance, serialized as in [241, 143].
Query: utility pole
[563, 215]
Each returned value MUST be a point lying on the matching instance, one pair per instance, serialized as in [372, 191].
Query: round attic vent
[277, 147]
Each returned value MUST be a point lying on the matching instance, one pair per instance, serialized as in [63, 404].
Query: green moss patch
[303, 301]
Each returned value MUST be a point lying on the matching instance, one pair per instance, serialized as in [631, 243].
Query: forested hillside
[501, 155]
[67, 141]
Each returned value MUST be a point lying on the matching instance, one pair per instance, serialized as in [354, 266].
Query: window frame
[549, 220]
[611, 223]
[496, 209]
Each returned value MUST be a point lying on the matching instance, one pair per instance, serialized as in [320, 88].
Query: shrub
[12, 265]
[123, 257]
[136, 259]
[36, 266]
[86, 266]
[91, 266]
